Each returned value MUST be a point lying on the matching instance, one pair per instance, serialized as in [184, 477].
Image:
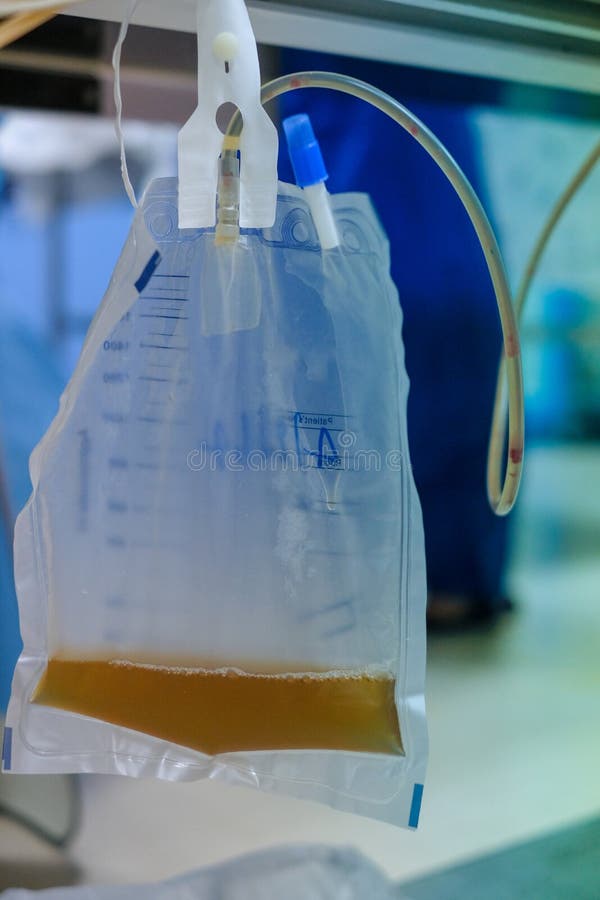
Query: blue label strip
[148, 272]
[7, 749]
[415, 806]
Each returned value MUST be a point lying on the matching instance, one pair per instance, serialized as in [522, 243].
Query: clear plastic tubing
[501, 493]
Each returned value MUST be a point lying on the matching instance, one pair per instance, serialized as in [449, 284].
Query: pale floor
[514, 719]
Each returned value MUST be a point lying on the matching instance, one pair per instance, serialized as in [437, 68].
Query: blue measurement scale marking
[157, 325]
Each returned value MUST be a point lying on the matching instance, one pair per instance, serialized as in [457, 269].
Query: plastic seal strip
[228, 71]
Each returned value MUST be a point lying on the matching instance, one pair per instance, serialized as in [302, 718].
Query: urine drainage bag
[220, 570]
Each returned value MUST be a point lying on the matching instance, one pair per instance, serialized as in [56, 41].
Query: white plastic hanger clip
[228, 71]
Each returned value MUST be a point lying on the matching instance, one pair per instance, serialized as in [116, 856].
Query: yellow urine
[220, 710]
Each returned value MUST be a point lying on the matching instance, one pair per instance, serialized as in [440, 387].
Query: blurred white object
[43, 143]
[293, 873]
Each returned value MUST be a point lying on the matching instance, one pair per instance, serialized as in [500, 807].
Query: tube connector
[311, 175]
[228, 198]
[305, 153]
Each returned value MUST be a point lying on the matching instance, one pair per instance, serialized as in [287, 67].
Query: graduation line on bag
[162, 333]
[158, 275]
[171, 290]
[160, 316]
[160, 421]
[118, 462]
[145, 346]
[162, 299]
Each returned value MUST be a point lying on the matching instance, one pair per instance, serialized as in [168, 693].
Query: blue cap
[304, 150]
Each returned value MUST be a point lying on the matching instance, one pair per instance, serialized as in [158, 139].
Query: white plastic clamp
[228, 71]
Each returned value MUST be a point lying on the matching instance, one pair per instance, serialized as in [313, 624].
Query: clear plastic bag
[220, 571]
[293, 873]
